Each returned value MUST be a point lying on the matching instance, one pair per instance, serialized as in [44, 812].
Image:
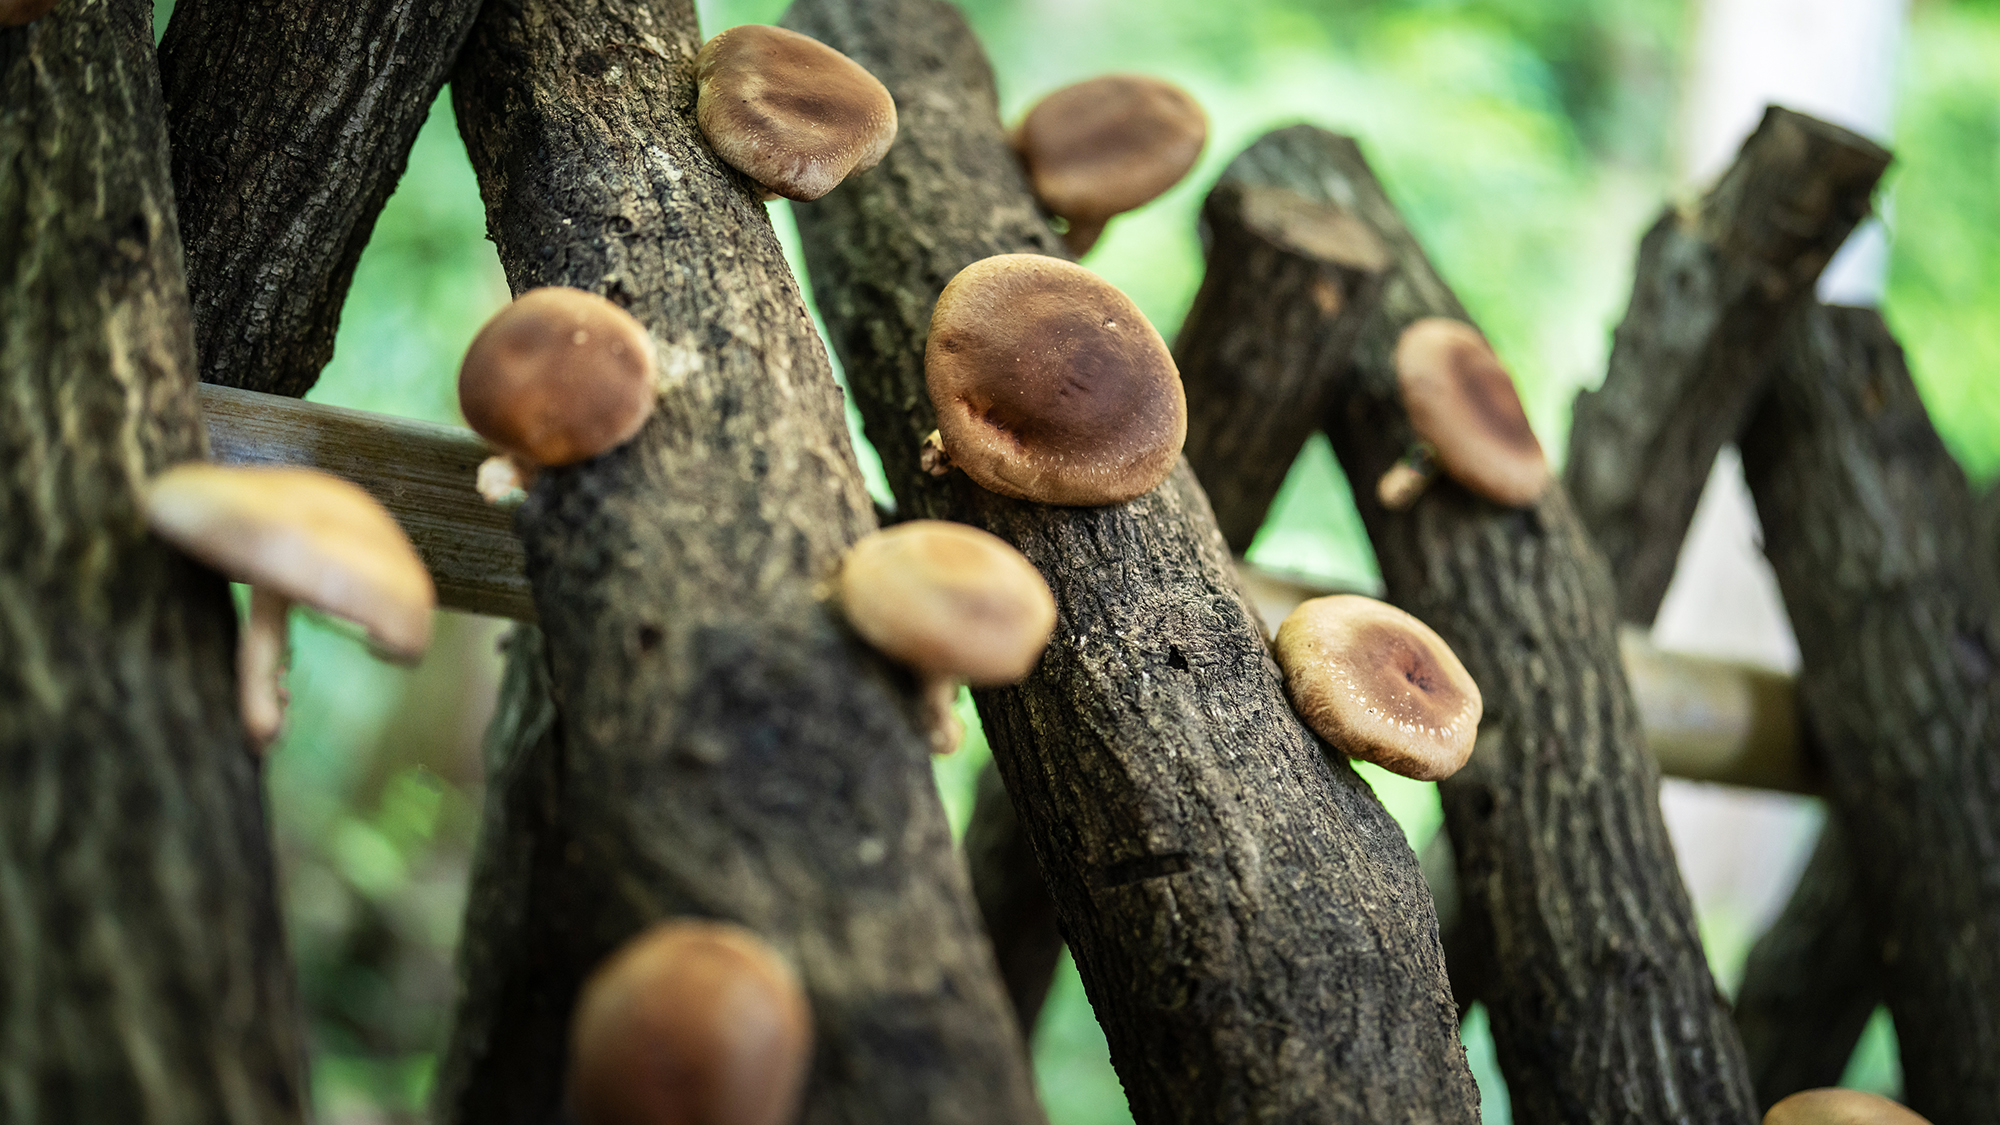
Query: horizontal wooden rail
[1705, 720]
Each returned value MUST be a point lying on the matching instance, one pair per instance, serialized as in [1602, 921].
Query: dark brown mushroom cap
[1110, 144]
[948, 600]
[557, 377]
[1461, 400]
[790, 112]
[1840, 1107]
[1050, 385]
[1379, 685]
[20, 13]
[690, 1023]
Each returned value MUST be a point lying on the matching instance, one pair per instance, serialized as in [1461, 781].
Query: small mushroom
[1050, 385]
[692, 1022]
[557, 377]
[1462, 405]
[954, 603]
[1379, 685]
[1839, 1107]
[790, 112]
[1106, 146]
[295, 535]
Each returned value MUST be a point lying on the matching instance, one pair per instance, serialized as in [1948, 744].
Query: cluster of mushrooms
[1049, 386]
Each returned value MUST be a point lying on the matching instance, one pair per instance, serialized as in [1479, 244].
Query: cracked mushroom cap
[557, 377]
[1462, 401]
[690, 1023]
[310, 536]
[948, 600]
[1050, 385]
[790, 112]
[1839, 1107]
[1379, 685]
[1108, 145]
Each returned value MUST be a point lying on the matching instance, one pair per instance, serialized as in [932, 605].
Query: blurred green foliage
[1528, 142]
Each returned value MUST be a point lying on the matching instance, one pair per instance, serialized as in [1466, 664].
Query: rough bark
[1710, 293]
[145, 974]
[720, 745]
[1603, 1009]
[1014, 900]
[1869, 524]
[291, 122]
[1290, 281]
[1249, 923]
[1799, 1027]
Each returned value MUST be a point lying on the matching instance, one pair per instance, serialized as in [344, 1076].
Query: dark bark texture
[1812, 981]
[143, 975]
[1869, 524]
[1014, 901]
[719, 744]
[1710, 294]
[291, 123]
[1603, 1009]
[1249, 922]
[1290, 281]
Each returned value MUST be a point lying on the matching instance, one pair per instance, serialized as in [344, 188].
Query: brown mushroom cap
[948, 600]
[1105, 146]
[1379, 685]
[558, 376]
[690, 1023]
[1461, 400]
[307, 535]
[20, 13]
[1840, 1107]
[1050, 385]
[790, 112]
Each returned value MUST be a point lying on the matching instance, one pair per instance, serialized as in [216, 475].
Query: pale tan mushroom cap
[1050, 385]
[1840, 1107]
[558, 376]
[948, 600]
[310, 536]
[690, 1023]
[1108, 145]
[1379, 685]
[1462, 401]
[790, 112]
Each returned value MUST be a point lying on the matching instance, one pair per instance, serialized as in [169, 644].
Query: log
[1602, 1004]
[1871, 528]
[291, 122]
[693, 733]
[145, 974]
[1710, 291]
[1167, 789]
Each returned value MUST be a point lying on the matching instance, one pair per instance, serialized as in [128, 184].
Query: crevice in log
[145, 976]
[1249, 923]
[720, 745]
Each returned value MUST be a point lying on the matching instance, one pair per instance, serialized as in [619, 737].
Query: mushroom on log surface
[790, 112]
[1108, 145]
[557, 377]
[1463, 405]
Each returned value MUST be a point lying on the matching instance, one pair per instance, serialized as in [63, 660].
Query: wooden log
[145, 977]
[1871, 528]
[291, 122]
[694, 733]
[1602, 1004]
[1167, 789]
[1710, 292]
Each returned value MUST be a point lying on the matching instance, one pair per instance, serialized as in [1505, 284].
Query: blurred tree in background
[1529, 142]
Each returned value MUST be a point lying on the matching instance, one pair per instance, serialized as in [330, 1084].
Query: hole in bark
[1175, 659]
[649, 638]
[1145, 867]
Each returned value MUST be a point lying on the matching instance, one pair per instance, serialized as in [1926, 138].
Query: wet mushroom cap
[557, 377]
[1379, 685]
[1462, 401]
[948, 600]
[790, 112]
[312, 537]
[1050, 385]
[1110, 144]
[690, 1023]
[1840, 1107]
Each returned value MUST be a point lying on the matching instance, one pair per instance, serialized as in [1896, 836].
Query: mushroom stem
[262, 651]
[1406, 479]
[939, 699]
[1082, 235]
[504, 480]
[931, 457]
